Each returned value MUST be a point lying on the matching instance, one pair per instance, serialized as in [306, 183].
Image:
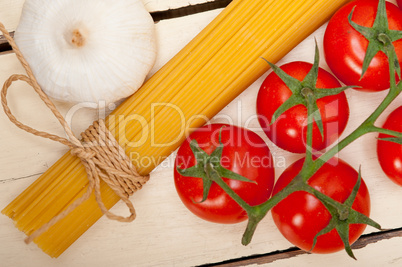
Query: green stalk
[306, 93]
[309, 161]
[254, 213]
[257, 213]
[368, 125]
[212, 174]
[310, 165]
[387, 131]
[309, 95]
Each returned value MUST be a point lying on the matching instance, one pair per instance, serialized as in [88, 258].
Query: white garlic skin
[87, 50]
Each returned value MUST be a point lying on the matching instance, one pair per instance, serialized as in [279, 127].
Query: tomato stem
[305, 93]
[309, 161]
[387, 131]
[366, 127]
[257, 213]
[213, 174]
[342, 212]
[311, 166]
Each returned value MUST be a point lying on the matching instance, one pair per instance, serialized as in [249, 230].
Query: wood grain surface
[165, 233]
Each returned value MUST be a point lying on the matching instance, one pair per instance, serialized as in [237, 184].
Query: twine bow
[100, 153]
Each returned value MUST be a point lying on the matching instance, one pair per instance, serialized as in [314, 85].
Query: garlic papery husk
[87, 50]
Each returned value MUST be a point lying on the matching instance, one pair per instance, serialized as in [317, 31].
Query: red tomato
[345, 48]
[300, 216]
[289, 130]
[399, 2]
[390, 153]
[244, 153]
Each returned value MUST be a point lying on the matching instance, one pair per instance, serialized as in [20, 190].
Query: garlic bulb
[87, 50]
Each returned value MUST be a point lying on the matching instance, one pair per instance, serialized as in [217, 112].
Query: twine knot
[98, 150]
[82, 153]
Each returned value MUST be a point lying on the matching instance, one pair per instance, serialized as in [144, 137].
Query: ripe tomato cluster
[242, 160]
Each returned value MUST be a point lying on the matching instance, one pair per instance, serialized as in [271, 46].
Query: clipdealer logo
[152, 130]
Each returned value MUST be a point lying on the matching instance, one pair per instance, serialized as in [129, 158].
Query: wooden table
[165, 233]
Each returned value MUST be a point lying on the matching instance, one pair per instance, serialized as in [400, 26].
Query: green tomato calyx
[209, 167]
[343, 215]
[380, 38]
[305, 92]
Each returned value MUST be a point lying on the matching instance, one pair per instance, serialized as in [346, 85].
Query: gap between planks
[271, 257]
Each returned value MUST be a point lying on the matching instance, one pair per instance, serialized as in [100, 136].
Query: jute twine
[99, 151]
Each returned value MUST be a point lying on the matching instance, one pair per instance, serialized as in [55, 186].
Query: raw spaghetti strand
[101, 155]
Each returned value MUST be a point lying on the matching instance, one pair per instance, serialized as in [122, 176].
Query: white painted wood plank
[165, 233]
[382, 253]
[156, 5]
[21, 149]
[10, 10]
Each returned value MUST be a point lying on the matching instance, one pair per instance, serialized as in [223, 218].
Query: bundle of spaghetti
[204, 77]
